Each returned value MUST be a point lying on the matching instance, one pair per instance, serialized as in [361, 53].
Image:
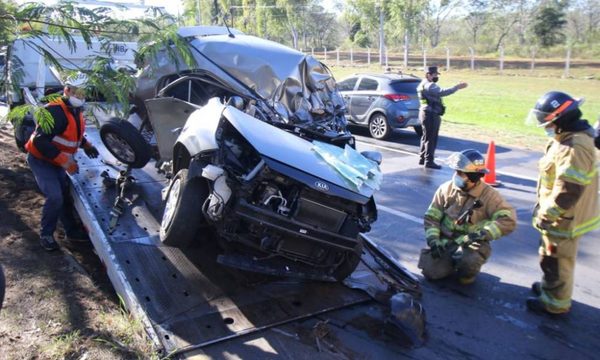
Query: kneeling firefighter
[464, 216]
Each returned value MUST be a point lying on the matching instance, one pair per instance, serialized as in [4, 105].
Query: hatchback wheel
[379, 127]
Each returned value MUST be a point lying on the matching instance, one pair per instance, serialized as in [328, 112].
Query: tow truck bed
[186, 300]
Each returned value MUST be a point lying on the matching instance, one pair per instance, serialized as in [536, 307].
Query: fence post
[386, 57]
[532, 59]
[424, 58]
[312, 51]
[501, 58]
[368, 56]
[405, 56]
[325, 51]
[351, 56]
[337, 61]
[568, 62]
[447, 59]
[472, 51]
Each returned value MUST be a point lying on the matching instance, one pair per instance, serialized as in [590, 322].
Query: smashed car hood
[299, 87]
[293, 151]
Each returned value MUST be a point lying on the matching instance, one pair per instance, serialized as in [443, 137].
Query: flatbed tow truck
[190, 305]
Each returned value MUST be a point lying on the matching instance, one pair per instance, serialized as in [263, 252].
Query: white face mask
[76, 102]
[550, 131]
[459, 182]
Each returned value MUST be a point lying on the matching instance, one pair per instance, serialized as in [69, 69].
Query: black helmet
[468, 161]
[554, 106]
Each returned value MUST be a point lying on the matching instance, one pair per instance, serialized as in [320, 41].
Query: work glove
[67, 162]
[476, 245]
[438, 247]
[542, 223]
[90, 150]
[471, 238]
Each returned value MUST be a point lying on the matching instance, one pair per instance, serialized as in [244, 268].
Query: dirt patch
[58, 305]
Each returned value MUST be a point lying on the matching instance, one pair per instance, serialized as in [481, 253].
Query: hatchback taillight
[397, 97]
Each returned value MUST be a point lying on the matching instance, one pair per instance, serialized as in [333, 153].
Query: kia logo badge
[322, 186]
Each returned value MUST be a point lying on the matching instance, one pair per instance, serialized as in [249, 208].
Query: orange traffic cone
[490, 162]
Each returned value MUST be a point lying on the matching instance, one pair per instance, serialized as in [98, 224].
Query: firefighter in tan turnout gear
[464, 216]
[567, 198]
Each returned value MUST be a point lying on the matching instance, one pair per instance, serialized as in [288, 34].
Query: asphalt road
[487, 319]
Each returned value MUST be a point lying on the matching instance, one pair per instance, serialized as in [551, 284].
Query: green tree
[548, 25]
[409, 14]
[154, 32]
[7, 25]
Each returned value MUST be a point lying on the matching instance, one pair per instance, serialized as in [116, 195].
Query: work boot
[48, 242]
[433, 165]
[536, 288]
[77, 235]
[535, 305]
[421, 161]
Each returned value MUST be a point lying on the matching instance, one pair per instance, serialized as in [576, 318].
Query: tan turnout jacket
[495, 216]
[570, 158]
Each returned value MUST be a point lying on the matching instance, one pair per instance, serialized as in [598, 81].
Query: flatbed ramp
[186, 300]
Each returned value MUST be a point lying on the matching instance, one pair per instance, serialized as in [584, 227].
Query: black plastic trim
[283, 224]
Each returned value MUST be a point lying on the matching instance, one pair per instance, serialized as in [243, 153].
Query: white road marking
[387, 148]
[400, 214]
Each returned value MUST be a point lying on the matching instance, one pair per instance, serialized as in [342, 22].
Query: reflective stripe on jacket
[496, 216]
[68, 141]
[570, 158]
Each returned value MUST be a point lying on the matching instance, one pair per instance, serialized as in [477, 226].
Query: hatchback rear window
[368, 84]
[406, 87]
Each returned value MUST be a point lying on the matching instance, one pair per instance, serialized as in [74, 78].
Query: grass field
[494, 106]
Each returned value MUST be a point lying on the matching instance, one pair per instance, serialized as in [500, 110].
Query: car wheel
[125, 143]
[183, 216]
[347, 267]
[379, 127]
[418, 130]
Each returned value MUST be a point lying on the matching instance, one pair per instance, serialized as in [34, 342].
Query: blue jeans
[54, 184]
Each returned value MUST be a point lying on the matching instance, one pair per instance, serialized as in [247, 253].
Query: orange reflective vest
[68, 141]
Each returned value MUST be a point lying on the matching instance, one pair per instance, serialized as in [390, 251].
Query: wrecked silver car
[255, 144]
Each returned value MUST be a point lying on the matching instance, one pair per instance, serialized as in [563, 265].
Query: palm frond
[44, 119]
[18, 113]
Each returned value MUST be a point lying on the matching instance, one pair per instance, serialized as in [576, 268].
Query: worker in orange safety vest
[51, 151]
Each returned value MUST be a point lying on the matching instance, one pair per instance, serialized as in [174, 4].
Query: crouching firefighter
[567, 197]
[464, 216]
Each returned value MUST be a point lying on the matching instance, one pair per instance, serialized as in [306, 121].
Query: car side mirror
[237, 102]
[373, 156]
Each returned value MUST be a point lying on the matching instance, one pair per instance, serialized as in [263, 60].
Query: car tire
[183, 218]
[125, 143]
[349, 264]
[379, 128]
[418, 130]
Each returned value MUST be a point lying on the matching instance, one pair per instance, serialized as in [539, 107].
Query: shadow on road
[489, 314]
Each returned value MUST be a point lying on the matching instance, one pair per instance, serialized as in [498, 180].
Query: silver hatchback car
[382, 102]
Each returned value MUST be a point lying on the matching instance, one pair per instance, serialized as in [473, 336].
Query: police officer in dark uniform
[430, 112]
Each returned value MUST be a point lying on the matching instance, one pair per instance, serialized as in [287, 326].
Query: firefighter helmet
[468, 161]
[553, 106]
